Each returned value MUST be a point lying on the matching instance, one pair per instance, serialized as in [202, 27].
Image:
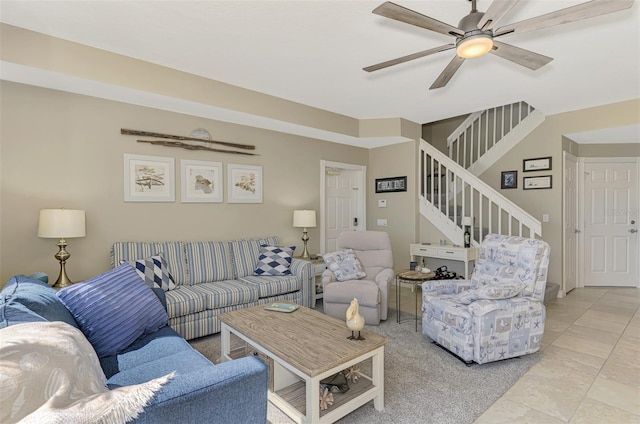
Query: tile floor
[590, 371]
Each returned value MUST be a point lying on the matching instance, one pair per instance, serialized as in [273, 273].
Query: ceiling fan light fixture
[474, 46]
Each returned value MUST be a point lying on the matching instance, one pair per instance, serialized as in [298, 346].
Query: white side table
[452, 253]
[318, 268]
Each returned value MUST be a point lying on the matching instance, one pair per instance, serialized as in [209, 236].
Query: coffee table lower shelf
[295, 395]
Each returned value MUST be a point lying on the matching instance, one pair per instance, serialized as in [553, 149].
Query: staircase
[485, 136]
[449, 192]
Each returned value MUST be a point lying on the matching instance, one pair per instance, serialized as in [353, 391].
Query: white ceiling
[313, 52]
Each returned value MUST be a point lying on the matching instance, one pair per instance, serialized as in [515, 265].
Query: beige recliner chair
[373, 251]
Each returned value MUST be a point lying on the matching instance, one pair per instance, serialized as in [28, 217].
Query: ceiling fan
[475, 34]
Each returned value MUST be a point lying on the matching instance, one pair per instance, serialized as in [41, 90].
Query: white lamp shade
[467, 221]
[304, 218]
[61, 223]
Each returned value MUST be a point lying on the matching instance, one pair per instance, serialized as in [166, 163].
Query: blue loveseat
[230, 392]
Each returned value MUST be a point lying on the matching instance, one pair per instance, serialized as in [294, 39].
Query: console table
[452, 253]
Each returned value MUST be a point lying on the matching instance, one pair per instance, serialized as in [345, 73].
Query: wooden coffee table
[307, 346]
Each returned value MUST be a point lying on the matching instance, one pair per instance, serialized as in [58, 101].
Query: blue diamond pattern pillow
[114, 309]
[154, 271]
[274, 260]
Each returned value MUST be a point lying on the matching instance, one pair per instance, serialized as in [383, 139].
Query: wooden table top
[415, 276]
[309, 340]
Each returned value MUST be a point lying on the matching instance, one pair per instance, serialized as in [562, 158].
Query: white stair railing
[449, 192]
[485, 136]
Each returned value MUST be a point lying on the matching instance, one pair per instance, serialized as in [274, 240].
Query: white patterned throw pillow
[344, 264]
[274, 260]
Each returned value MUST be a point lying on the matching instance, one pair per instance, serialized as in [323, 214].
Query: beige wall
[609, 150]
[394, 161]
[547, 140]
[64, 150]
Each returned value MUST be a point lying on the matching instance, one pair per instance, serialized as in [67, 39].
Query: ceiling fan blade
[578, 12]
[495, 12]
[393, 11]
[522, 57]
[448, 72]
[408, 58]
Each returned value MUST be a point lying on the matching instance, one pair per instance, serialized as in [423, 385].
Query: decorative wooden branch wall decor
[187, 145]
[193, 147]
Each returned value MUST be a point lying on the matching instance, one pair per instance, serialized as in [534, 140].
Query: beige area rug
[423, 383]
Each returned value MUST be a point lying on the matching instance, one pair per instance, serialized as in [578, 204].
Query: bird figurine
[355, 321]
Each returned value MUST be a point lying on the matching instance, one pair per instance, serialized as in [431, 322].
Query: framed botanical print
[201, 181]
[149, 178]
[536, 164]
[244, 183]
[534, 183]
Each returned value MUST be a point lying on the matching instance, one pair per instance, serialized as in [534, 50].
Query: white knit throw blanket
[49, 373]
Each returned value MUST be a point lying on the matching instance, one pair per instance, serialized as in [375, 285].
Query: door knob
[633, 230]
[576, 231]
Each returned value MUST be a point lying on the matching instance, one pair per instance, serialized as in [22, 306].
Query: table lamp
[467, 223]
[61, 224]
[304, 219]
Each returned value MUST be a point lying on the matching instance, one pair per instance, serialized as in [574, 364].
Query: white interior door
[611, 222]
[343, 206]
[570, 222]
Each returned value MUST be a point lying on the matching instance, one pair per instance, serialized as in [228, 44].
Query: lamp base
[62, 256]
[305, 239]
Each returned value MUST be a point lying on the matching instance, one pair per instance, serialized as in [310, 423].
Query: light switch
[545, 217]
[382, 203]
[382, 222]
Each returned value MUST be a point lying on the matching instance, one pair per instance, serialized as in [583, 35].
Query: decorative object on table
[199, 139]
[509, 179]
[281, 307]
[355, 321]
[352, 374]
[326, 398]
[304, 219]
[534, 183]
[413, 265]
[467, 223]
[424, 270]
[336, 383]
[148, 179]
[244, 183]
[391, 185]
[201, 181]
[62, 224]
[536, 164]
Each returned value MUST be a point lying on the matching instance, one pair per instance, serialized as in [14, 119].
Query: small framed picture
[244, 183]
[201, 181]
[149, 179]
[390, 185]
[536, 164]
[534, 183]
[509, 179]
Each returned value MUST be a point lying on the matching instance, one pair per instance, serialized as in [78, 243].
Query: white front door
[611, 222]
[570, 222]
[343, 208]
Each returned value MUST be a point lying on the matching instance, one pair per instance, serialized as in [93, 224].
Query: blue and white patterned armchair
[499, 313]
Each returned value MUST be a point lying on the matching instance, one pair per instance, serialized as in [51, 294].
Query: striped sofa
[214, 277]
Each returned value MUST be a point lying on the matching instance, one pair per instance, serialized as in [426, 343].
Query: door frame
[326, 165]
[581, 200]
[565, 265]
